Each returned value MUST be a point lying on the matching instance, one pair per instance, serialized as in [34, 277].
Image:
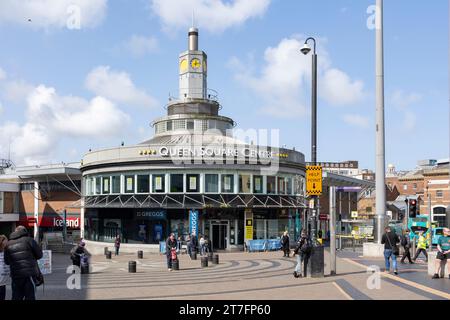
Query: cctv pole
[380, 218]
[430, 232]
[332, 230]
[314, 138]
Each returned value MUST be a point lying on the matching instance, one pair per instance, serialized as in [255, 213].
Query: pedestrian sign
[314, 180]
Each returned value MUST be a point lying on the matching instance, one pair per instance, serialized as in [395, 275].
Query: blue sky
[65, 89]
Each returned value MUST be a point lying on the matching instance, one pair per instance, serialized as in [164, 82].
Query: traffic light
[412, 208]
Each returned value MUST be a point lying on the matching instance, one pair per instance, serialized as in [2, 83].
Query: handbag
[395, 249]
[39, 278]
[441, 256]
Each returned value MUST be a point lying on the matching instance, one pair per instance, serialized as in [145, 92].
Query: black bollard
[210, 256]
[215, 259]
[108, 255]
[132, 266]
[175, 265]
[194, 255]
[204, 262]
[106, 251]
[85, 269]
[140, 254]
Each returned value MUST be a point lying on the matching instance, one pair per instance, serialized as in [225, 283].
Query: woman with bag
[390, 240]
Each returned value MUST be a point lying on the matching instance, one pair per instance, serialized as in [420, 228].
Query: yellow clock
[195, 63]
[183, 66]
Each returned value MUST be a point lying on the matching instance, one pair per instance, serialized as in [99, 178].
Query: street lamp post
[317, 256]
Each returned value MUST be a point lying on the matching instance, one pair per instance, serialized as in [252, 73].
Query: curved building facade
[195, 175]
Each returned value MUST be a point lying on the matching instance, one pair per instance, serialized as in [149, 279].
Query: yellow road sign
[314, 180]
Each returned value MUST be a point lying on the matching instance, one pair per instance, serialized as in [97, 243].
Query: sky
[89, 74]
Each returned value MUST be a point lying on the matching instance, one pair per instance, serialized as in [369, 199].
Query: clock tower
[193, 72]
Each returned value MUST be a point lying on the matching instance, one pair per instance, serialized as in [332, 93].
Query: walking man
[390, 241]
[21, 254]
[421, 247]
[285, 244]
[303, 252]
[406, 244]
[117, 245]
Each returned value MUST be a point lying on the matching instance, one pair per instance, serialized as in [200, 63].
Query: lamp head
[306, 49]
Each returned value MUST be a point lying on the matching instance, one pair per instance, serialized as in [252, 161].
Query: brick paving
[239, 276]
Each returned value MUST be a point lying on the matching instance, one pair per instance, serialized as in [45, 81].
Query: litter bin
[108, 255]
[132, 266]
[204, 262]
[175, 265]
[194, 255]
[140, 254]
[215, 259]
[106, 251]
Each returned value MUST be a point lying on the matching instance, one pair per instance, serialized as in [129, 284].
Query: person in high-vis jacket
[421, 247]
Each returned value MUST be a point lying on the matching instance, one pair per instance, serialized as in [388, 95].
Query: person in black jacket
[303, 252]
[390, 240]
[21, 254]
[285, 244]
[171, 243]
[406, 244]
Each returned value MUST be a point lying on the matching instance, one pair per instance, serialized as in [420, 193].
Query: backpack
[404, 242]
[306, 246]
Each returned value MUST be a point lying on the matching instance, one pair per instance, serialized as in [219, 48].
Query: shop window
[244, 183]
[281, 186]
[190, 125]
[106, 185]
[192, 183]
[176, 183]
[143, 183]
[271, 185]
[227, 183]
[288, 183]
[298, 185]
[169, 125]
[212, 183]
[88, 185]
[1, 202]
[158, 181]
[115, 184]
[129, 184]
[257, 184]
[439, 194]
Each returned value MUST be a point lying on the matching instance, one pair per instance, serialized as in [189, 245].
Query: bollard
[132, 266]
[194, 255]
[140, 254]
[210, 256]
[175, 265]
[85, 269]
[108, 255]
[106, 251]
[215, 259]
[204, 262]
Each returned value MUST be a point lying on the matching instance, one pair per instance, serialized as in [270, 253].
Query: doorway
[219, 236]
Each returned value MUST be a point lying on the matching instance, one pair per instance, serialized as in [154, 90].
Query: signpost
[314, 180]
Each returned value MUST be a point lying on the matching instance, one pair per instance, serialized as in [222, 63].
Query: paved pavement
[239, 276]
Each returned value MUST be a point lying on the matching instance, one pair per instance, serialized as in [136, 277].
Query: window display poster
[258, 184]
[45, 264]
[227, 182]
[106, 183]
[129, 184]
[192, 183]
[248, 225]
[157, 232]
[158, 183]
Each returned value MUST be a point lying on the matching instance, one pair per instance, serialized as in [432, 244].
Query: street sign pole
[333, 230]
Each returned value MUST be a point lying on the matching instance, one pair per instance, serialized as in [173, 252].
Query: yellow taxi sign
[314, 180]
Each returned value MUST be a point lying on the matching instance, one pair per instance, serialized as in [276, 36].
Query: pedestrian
[443, 253]
[21, 254]
[421, 247]
[4, 269]
[207, 245]
[303, 252]
[78, 253]
[117, 245]
[188, 245]
[179, 244]
[285, 244]
[405, 241]
[194, 243]
[202, 245]
[171, 243]
[390, 240]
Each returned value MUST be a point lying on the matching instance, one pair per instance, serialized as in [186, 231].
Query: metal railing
[344, 242]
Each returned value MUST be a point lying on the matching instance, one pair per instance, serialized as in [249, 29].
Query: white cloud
[403, 100]
[2, 74]
[212, 15]
[16, 91]
[140, 45]
[284, 81]
[52, 14]
[118, 87]
[410, 121]
[338, 89]
[356, 120]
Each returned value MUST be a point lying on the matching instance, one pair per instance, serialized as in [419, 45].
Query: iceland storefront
[196, 174]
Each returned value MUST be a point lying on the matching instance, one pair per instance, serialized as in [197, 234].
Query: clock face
[183, 66]
[195, 63]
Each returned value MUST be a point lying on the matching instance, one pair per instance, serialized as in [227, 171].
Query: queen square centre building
[195, 175]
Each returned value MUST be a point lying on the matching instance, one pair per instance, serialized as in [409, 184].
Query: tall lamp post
[306, 50]
[317, 256]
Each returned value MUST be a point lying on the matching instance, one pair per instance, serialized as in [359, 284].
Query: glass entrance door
[219, 236]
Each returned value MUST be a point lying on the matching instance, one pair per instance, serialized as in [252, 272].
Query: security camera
[306, 49]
